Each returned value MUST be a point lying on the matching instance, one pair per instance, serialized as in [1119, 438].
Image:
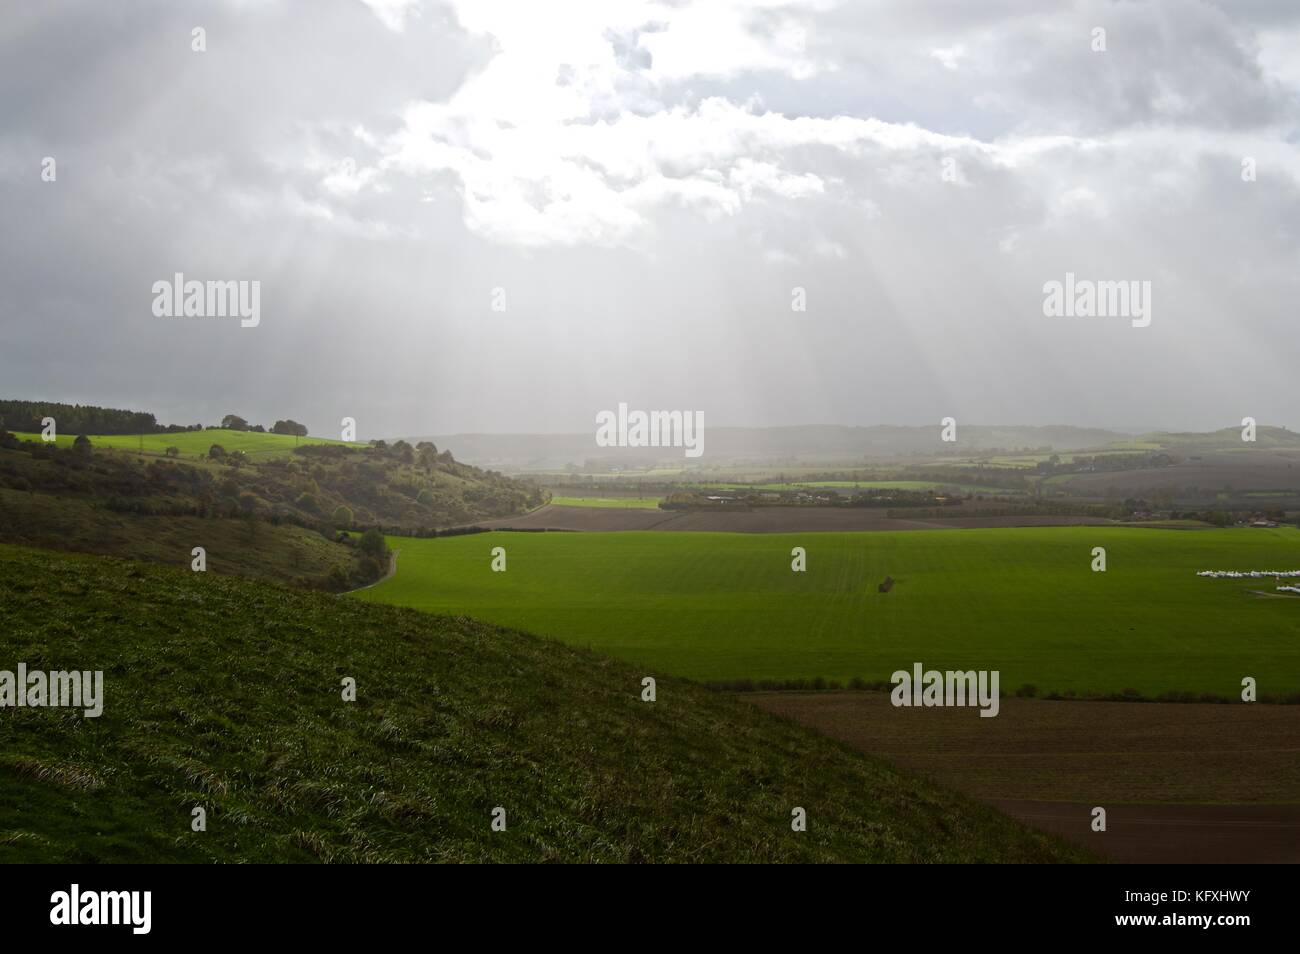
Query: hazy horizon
[427, 433]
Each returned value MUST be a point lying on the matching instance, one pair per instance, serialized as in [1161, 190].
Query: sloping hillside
[238, 474]
[254, 549]
[260, 506]
[226, 695]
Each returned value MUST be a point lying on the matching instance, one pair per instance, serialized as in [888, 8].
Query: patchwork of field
[195, 443]
[851, 485]
[1241, 471]
[1025, 602]
[761, 520]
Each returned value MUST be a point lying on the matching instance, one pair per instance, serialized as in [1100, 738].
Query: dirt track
[760, 520]
[1180, 782]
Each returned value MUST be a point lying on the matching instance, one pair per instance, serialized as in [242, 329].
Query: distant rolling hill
[812, 443]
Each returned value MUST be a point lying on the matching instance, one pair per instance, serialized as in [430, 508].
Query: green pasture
[622, 503]
[1023, 601]
[192, 443]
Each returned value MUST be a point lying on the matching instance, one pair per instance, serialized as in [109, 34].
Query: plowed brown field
[1179, 782]
[759, 520]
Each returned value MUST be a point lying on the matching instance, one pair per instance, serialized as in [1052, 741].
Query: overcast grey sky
[647, 181]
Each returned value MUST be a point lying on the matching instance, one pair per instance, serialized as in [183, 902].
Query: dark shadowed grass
[252, 549]
[225, 694]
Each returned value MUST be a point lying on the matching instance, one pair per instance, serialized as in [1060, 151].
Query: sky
[491, 216]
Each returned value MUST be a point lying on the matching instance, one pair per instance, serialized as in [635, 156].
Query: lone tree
[289, 427]
[373, 544]
[81, 445]
[233, 422]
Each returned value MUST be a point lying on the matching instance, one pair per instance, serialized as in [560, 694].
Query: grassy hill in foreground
[226, 694]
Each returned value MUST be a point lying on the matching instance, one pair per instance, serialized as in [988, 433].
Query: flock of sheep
[1254, 574]
[1246, 574]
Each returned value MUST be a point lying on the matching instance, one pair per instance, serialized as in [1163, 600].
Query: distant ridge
[806, 441]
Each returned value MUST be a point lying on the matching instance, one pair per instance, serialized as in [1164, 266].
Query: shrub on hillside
[373, 544]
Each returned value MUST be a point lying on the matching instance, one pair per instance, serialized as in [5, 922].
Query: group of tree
[29, 417]
[289, 427]
[233, 422]
[235, 458]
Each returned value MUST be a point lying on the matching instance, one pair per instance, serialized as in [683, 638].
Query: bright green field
[1022, 601]
[192, 443]
[625, 503]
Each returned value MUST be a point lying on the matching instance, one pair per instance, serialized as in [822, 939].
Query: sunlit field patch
[727, 607]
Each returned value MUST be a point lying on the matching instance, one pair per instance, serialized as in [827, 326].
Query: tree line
[233, 422]
[28, 417]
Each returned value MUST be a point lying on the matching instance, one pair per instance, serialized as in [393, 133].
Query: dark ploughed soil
[1264, 469]
[1187, 834]
[760, 520]
[1179, 782]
